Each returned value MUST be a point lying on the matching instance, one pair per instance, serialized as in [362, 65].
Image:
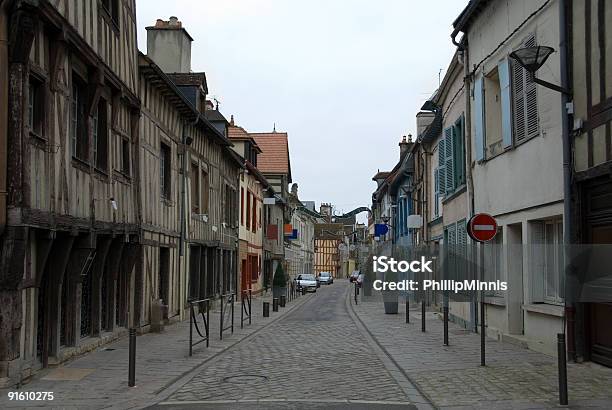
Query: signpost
[482, 228]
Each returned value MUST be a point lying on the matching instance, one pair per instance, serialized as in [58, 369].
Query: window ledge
[80, 164]
[461, 189]
[495, 300]
[544, 309]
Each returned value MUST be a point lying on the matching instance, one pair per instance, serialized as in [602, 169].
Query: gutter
[4, 83]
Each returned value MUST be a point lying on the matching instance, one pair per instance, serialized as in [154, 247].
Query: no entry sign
[482, 227]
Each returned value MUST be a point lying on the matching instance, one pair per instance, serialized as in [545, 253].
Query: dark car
[326, 278]
[353, 277]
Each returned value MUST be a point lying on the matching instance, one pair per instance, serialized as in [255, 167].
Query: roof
[381, 175]
[465, 18]
[187, 79]
[274, 157]
[236, 133]
[214, 115]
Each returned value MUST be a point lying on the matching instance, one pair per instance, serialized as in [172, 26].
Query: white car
[325, 278]
[307, 282]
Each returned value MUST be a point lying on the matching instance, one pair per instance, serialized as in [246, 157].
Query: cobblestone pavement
[314, 357]
[451, 376]
[99, 379]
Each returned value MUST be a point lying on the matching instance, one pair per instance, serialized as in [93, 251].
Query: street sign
[482, 227]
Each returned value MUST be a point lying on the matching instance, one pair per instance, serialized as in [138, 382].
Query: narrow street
[315, 357]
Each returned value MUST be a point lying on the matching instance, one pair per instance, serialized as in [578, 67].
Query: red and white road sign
[482, 227]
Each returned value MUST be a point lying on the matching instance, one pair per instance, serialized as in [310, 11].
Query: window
[125, 156]
[254, 214]
[164, 170]
[242, 206]
[230, 206]
[493, 254]
[248, 211]
[524, 100]
[450, 173]
[204, 193]
[100, 136]
[195, 188]
[493, 113]
[78, 128]
[36, 107]
[436, 194]
[112, 8]
[547, 261]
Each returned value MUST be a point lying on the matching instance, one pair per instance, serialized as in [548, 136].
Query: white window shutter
[449, 162]
[478, 115]
[503, 69]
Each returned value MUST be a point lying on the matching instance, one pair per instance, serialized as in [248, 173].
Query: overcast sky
[345, 78]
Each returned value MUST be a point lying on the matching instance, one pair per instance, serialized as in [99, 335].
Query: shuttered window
[524, 100]
[441, 167]
[449, 160]
[436, 194]
[546, 255]
[478, 116]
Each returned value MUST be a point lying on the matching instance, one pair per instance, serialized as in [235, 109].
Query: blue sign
[380, 229]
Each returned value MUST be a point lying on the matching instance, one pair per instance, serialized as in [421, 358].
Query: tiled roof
[274, 158]
[183, 79]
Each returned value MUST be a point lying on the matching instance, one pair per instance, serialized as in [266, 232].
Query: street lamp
[532, 59]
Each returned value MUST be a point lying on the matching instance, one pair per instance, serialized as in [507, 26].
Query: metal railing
[203, 305]
[245, 311]
[227, 299]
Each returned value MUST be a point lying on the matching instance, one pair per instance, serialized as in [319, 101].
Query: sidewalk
[99, 379]
[451, 376]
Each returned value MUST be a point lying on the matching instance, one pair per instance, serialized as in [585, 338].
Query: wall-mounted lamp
[188, 140]
[113, 203]
[532, 59]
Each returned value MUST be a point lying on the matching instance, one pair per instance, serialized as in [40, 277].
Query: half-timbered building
[71, 240]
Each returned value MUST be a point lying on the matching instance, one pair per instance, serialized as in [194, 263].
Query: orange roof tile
[274, 158]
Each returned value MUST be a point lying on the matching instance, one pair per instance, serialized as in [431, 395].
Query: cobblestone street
[316, 355]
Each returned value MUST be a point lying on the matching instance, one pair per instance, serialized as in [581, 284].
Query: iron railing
[203, 306]
[227, 299]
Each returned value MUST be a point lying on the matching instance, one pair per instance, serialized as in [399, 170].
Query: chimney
[405, 145]
[169, 45]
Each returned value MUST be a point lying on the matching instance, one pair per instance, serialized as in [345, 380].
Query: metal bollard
[445, 309]
[283, 301]
[482, 334]
[562, 362]
[275, 305]
[132, 359]
[422, 316]
[266, 309]
[407, 310]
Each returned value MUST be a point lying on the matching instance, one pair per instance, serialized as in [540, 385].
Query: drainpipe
[4, 83]
[568, 228]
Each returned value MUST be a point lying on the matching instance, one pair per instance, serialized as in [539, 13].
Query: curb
[418, 397]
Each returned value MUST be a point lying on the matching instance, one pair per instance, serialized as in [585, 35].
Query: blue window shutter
[503, 69]
[478, 115]
[441, 166]
[449, 163]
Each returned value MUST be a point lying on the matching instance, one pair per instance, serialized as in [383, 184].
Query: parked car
[307, 282]
[353, 276]
[326, 278]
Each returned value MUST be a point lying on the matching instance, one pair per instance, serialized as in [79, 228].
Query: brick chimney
[169, 45]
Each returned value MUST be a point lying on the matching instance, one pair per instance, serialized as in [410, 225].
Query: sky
[344, 78]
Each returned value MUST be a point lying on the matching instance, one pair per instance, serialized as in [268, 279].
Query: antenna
[274, 129]
[217, 102]
[440, 77]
